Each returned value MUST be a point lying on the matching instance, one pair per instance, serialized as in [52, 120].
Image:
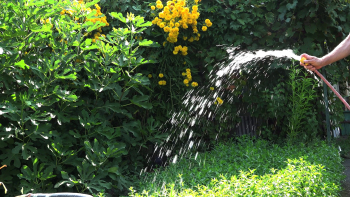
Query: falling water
[200, 101]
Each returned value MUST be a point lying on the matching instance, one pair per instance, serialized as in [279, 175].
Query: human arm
[340, 52]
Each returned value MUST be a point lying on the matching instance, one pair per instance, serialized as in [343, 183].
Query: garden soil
[346, 182]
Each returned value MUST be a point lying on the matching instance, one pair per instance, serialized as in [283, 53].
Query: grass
[250, 168]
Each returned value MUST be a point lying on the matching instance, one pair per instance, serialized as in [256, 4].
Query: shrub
[70, 98]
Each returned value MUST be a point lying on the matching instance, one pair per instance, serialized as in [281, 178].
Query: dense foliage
[253, 168]
[313, 27]
[69, 102]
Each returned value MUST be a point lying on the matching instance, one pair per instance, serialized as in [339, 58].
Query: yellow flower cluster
[98, 13]
[189, 78]
[97, 36]
[175, 15]
[94, 20]
[162, 82]
[208, 23]
[218, 100]
[183, 50]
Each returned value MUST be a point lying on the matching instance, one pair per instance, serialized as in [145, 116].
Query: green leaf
[64, 175]
[17, 148]
[141, 101]
[21, 64]
[118, 16]
[310, 28]
[113, 169]
[148, 43]
[45, 28]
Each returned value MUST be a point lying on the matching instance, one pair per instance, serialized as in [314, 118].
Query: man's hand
[311, 63]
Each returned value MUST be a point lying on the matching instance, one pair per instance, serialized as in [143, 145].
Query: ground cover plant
[250, 167]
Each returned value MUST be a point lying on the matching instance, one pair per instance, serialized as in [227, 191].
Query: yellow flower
[215, 103]
[186, 81]
[166, 29]
[207, 21]
[184, 62]
[26, 53]
[211, 88]
[188, 70]
[62, 12]
[162, 82]
[161, 15]
[161, 75]
[194, 84]
[161, 25]
[168, 17]
[93, 40]
[183, 74]
[159, 6]
[175, 52]
[219, 100]
[149, 76]
[164, 43]
[153, 8]
[204, 28]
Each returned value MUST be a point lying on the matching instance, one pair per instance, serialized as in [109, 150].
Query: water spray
[329, 85]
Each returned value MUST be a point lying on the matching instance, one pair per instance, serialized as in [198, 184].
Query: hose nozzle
[302, 60]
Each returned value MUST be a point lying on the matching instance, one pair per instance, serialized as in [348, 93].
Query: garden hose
[55, 195]
[329, 85]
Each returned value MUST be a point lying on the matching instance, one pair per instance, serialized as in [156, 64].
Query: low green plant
[302, 117]
[249, 167]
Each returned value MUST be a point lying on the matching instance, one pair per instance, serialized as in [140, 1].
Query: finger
[310, 68]
[305, 55]
[307, 62]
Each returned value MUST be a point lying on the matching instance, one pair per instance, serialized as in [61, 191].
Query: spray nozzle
[302, 60]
